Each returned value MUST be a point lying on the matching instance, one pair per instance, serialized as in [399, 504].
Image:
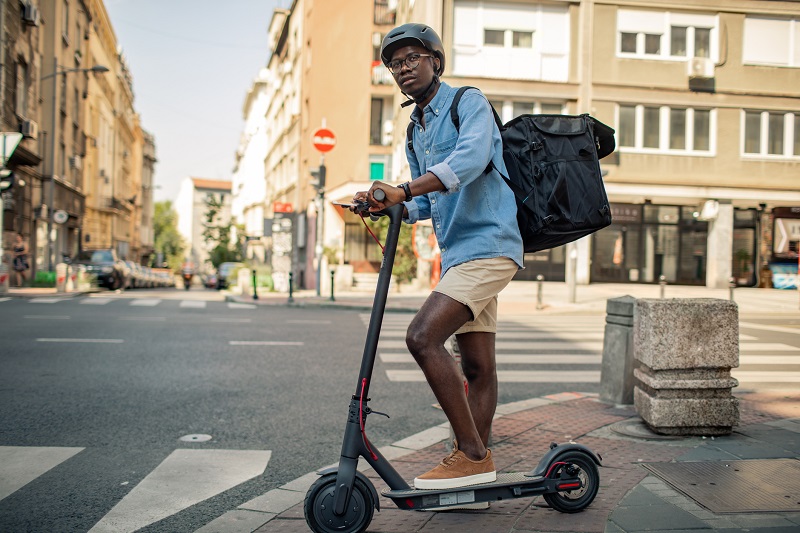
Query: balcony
[385, 12]
[381, 74]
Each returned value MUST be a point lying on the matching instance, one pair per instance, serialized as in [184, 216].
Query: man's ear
[438, 63]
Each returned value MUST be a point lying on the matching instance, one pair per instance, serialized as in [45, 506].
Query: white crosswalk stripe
[145, 302]
[193, 304]
[96, 301]
[577, 342]
[184, 478]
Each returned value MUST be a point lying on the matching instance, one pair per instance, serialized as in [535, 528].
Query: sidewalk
[631, 497]
[520, 298]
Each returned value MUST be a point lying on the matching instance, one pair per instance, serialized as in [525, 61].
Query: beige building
[192, 208]
[703, 95]
[115, 153]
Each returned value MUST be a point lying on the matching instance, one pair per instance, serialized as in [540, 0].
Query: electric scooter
[344, 500]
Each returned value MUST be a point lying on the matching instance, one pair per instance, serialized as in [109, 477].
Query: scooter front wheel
[318, 507]
[572, 501]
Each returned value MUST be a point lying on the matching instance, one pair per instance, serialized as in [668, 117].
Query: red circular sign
[324, 140]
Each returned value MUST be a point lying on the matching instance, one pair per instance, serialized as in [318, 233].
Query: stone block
[686, 333]
[684, 350]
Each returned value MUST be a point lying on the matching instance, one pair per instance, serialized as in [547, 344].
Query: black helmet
[412, 34]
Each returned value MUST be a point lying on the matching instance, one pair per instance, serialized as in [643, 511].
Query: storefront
[785, 247]
[648, 241]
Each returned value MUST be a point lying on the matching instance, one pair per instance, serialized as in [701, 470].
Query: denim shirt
[476, 217]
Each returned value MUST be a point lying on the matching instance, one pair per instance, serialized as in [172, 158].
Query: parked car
[224, 273]
[105, 265]
[135, 277]
[210, 280]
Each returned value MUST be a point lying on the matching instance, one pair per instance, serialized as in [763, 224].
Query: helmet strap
[417, 99]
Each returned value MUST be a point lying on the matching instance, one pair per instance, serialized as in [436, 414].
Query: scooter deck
[503, 480]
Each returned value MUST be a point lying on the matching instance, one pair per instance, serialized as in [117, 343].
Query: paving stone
[453, 522]
[640, 496]
[648, 518]
[760, 520]
[747, 448]
[237, 521]
[611, 527]
[778, 437]
[707, 453]
[284, 526]
[539, 519]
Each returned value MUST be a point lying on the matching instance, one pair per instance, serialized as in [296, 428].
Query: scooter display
[344, 500]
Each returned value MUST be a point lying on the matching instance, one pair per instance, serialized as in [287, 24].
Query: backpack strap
[410, 136]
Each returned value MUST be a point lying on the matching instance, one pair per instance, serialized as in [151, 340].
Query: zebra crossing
[184, 478]
[568, 349]
[139, 302]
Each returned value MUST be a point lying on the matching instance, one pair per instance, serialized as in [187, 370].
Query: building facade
[705, 107]
[191, 208]
[22, 38]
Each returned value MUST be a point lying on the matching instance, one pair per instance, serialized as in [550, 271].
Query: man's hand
[392, 196]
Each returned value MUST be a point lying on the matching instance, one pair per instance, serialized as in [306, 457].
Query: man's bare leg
[480, 369]
[440, 317]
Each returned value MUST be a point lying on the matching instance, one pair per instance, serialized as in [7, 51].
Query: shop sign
[787, 230]
[786, 212]
[626, 213]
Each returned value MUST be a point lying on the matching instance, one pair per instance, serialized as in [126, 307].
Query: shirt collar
[436, 105]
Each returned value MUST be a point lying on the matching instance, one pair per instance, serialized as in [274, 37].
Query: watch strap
[407, 189]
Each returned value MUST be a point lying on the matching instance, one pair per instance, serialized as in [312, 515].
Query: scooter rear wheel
[573, 501]
[318, 507]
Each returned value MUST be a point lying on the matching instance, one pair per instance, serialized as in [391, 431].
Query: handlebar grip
[379, 195]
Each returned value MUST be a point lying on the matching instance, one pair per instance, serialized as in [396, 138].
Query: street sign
[324, 140]
[9, 140]
[60, 216]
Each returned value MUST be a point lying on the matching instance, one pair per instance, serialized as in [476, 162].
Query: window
[665, 129]
[519, 39]
[522, 39]
[376, 122]
[21, 100]
[651, 127]
[678, 41]
[65, 22]
[493, 37]
[771, 133]
[376, 170]
[666, 35]
[525, 108]
[783, 36]
[627, 126]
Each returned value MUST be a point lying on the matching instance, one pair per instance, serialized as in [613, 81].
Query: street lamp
[57, 71]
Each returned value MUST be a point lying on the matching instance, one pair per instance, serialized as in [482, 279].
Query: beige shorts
[476, 284]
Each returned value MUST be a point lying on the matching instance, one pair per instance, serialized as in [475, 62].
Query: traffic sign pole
[324, 141]
[10, 142]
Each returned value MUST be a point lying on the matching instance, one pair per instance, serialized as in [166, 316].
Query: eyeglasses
[411, 61]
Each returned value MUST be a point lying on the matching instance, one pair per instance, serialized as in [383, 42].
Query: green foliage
[168, 242]
[405, 262]
[225, 239]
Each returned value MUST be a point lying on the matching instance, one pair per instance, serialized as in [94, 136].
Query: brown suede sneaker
[457, 470]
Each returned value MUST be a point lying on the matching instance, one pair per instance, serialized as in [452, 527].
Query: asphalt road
[96, 393]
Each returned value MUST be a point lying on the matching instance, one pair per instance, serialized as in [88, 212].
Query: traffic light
[6, 179]
[319, 177]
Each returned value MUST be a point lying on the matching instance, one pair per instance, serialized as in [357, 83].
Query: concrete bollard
[684, 351]
[539, 292]
[616, 375]
[61, 277]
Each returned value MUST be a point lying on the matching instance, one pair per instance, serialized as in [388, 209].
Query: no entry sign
[324, 140]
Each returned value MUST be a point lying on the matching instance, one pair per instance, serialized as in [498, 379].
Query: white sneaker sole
[454, 483]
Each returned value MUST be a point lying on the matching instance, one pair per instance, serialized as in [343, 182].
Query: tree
[168, 242]
[224, 240]
[405, 262]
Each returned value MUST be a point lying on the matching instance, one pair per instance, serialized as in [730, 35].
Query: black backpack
[553, 164]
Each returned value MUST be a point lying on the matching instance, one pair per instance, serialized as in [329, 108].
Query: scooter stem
[395, 214]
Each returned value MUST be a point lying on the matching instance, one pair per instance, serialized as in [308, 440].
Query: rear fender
[555, 451]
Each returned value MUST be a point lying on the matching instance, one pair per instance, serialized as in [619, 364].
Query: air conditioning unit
[30, 14]
[76, 162]
[701, 67]
[29, 128]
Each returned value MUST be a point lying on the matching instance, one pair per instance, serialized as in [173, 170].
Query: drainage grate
[736, 486]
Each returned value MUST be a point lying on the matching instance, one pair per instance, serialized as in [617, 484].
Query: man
[474, 218]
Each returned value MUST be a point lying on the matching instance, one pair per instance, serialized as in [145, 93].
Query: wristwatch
[407, 189]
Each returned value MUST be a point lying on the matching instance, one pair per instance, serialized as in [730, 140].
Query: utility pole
[319, 247]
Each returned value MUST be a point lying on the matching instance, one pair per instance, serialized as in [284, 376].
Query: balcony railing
[385, 11]
[381, 74]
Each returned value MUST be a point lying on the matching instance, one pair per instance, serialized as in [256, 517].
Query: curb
[304, 303]
[257, 512]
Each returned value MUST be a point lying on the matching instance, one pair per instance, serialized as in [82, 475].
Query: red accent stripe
[566, 486]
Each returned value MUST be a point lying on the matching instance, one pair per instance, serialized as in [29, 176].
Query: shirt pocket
[444, 147]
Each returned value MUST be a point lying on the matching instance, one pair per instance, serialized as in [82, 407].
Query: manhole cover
[195, 438]
[636, 428]
[736, 486]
